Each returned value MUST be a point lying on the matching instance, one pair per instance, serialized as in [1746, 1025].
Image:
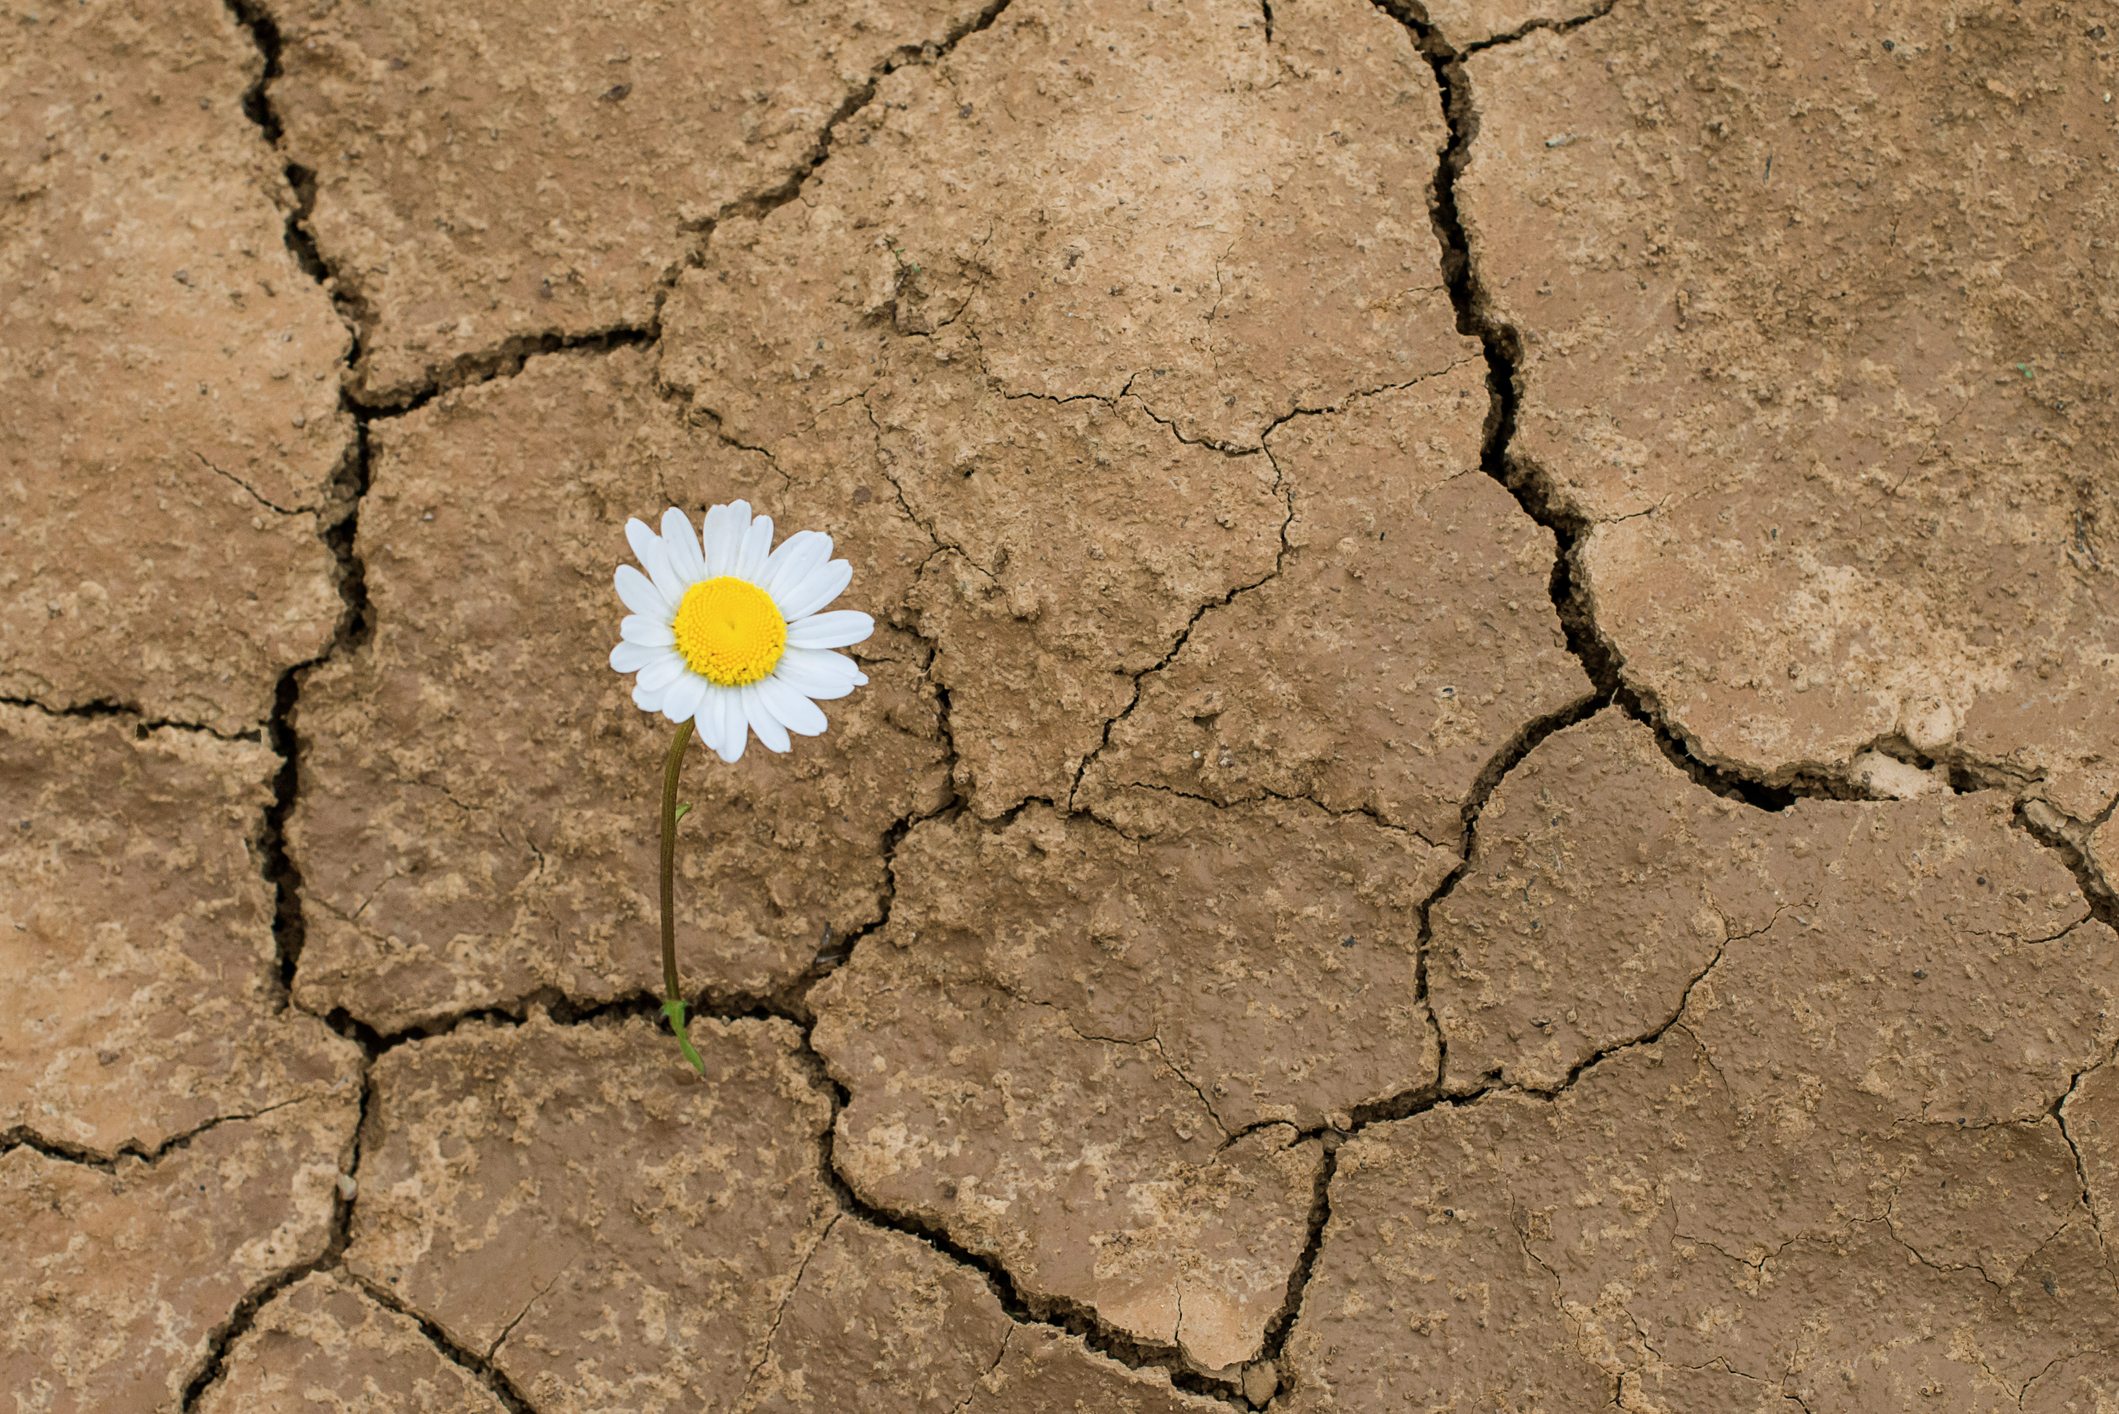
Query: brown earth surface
[1489, 763]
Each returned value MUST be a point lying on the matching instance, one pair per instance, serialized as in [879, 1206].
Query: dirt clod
[144, 992]
[1804, 340]
[483, 179]
[169, 424]
[1230, 229]
[1406, 638]
[597, 1241]
[1654, 1230]
[879, 1321]
[117, 1280]
[1606, 892]
[1110, 1056]
[325, 1341]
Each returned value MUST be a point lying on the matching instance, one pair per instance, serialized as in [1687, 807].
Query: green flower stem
[673, 1001]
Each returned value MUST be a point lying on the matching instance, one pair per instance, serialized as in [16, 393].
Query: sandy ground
[1488, 774]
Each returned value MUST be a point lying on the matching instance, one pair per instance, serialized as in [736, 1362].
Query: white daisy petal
[708, 718]
[703, 714]
[662, 672]
[757, 541]
[837, 629]
[771, 734]
[726, 731]
[735, 731]
[651, 633]
[793, 546]
[645, 542]
[735, 523]
[647, 701]
[791, 563]
[640, 594]
[647, 546]
[632, 657]
[796, 712]
[798, 599]
[713, 542]
[681, 543]
[682, 699]
[816, 673]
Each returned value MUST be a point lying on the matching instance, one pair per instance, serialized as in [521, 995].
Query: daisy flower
[727, 635]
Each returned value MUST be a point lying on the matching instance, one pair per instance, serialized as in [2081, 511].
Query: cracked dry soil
[1488, 779]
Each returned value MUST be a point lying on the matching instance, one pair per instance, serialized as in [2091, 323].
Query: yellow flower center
[729, 631]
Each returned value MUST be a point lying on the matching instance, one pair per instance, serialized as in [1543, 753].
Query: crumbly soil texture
[1488, 769]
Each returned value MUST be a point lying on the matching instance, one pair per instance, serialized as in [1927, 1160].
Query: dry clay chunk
[1289, 997]
[143, 994]
[1603, 882]
[1249, 238]
[1073, 1050]
[1822, 374]
[1082, 537]
[117, 1279]
[880, 1323]
[1463, 23]
[1110, 196]
[1089, 1168]
[1407, 636]
[2103, 850]
[323, 1342]
[168, 411]
[2091, 1114]
[1923, 952]
[1045, 1372]
[2083, 1382]
[1932, 957]
[487, 175]
[1528, 1253]
[477, 818]
[575, 1199]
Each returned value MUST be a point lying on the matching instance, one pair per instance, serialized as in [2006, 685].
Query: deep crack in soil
[240, 1320]
[1533, 490]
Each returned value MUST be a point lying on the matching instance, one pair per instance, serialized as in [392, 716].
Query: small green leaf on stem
[673, 1008]
[682, 811]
